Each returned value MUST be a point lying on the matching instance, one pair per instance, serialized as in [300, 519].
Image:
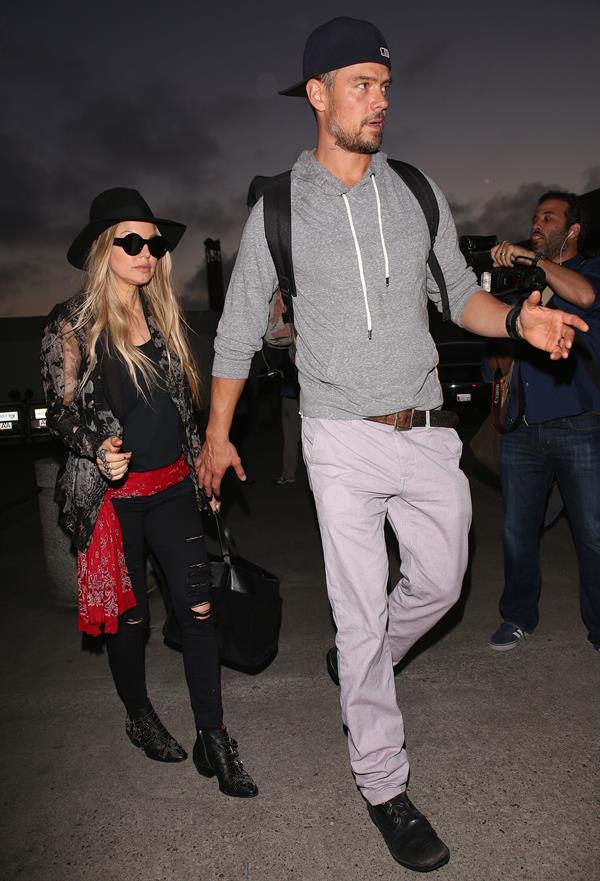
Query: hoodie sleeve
[246, 310]
[461, 281]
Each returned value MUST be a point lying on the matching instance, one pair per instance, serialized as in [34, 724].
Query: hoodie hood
[308, 169]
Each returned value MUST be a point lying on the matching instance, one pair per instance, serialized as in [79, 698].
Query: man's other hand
[212, 463]
[506, 253]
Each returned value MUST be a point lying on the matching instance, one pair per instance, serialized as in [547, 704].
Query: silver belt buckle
[404, 427]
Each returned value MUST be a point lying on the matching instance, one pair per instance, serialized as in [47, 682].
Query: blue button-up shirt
[555, 389]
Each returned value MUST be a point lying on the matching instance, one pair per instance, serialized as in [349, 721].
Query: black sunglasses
[132, 244]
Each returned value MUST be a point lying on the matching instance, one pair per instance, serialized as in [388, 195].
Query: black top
[151, 426]
[83, 422]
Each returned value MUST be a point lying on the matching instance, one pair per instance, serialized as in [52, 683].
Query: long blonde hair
[104, 312]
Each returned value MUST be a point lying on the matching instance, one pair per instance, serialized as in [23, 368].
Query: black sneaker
[507, 637]
[409, 835]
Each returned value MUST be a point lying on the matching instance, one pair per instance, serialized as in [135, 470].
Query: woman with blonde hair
[121, 385]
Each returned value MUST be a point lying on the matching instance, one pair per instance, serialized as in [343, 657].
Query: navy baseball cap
[340, 42]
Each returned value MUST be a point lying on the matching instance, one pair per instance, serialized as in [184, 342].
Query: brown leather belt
[404, 420]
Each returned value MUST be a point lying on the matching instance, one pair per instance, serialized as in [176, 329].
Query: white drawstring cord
[385, 253]
[360, 267]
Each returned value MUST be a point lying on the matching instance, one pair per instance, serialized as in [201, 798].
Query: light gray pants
[360, 473]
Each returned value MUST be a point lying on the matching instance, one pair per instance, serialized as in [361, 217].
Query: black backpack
[276, 193]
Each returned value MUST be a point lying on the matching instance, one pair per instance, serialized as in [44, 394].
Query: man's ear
[574, 231]
[317, 94]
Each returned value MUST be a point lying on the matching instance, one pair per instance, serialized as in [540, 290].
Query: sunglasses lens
[132, 244]
[157, 246]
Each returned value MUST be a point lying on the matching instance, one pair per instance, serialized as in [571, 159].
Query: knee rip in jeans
[201, 612]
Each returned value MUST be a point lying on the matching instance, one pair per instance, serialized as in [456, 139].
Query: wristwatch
[538, 255]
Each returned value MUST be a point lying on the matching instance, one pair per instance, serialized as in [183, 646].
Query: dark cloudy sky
[178, 99]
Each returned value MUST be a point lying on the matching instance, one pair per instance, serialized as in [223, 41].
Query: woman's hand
[111, 462]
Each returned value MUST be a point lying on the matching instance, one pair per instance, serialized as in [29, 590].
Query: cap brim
[297, 91]
[77, 253]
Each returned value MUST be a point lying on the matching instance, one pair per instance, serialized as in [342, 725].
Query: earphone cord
[561, 250]
[567, 237]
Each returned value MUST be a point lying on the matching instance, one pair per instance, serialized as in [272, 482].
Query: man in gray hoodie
[375, 442]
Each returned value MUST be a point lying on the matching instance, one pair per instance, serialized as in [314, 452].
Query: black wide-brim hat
[113, 206]
[340, 42]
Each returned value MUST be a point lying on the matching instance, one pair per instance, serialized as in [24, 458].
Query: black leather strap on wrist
[539, 255]
[512, 317]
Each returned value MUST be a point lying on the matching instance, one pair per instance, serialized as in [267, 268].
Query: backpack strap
[422, 190]
[277, 208]
[276, 193]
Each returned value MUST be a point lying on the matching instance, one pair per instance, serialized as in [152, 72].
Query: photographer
[554, 422]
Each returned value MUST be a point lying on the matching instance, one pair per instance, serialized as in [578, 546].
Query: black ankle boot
[149, 733]
[215, 752]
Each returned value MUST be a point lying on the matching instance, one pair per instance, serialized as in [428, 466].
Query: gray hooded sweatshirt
[360, 266]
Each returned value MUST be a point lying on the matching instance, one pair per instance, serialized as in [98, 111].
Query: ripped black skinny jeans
[170, 525]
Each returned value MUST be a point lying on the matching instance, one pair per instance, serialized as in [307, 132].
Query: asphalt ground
[504, 746]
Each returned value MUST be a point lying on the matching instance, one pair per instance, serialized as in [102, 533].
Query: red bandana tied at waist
[105, 590]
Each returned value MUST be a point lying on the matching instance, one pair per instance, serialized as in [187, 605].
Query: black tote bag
[247, 606]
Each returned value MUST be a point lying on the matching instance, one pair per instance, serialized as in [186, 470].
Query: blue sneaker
[507, 637]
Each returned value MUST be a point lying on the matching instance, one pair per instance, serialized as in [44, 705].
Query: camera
[516, 283]
[508, 284]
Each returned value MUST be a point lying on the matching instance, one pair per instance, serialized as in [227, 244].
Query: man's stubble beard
[353, 142]
[553, 243]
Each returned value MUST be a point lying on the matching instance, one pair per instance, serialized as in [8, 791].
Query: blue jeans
[531, 456]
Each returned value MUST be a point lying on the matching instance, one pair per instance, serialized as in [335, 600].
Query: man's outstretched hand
[549, 329]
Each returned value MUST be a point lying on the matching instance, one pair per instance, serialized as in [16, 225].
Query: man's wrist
[216, 435]
[538, 255]
[513, 321]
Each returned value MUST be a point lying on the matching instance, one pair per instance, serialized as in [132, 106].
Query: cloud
[592, 180]
[109, 141]
[208, 213]
[15, 275]
[506, 215]
[19, 276]
[425, 62]
[86, 125]
[194, 294]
